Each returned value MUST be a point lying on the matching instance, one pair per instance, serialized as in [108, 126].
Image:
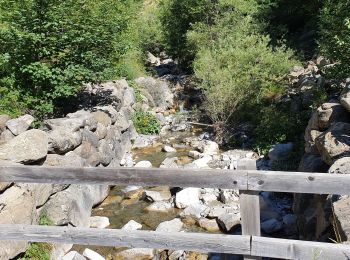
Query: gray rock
[341, 210]
[69, 124]
[209, 147]
[159, 91]
[136, 254]
[209, 195]
[143, 164]
[30, 146]
[3, 120]
[219, 210]
[229, 196]
[272, 225]
[58, 251]
[90, 137]
[106, 152]
[143, 141]
[280, 151]
[187, 197]
[88, 152]
[210, 225]
[194, 154]
[101, 131]
[101, 117]
[202, 163]
[70, 159]
[6, 136]
[158, 194]
[341, 166]
[73, 255]
[63, 140]
[159, 206]
[111, 111]
[92, 255]
[168, 149]
[334, 143]
[99, 222]
[20, 125]
[132, 225]
[195, 211]
[73, 205]
[169, 163]
[174, 225]
[229, 221]
[128, 97]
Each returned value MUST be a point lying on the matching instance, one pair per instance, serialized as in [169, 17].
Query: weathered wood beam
[251, 180]
[198, 242]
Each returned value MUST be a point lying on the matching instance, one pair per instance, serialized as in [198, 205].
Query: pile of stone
[96, 137]
[327, 149]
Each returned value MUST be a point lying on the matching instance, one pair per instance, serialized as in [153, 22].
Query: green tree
[52, 47]
[235, 65]
[335, 36]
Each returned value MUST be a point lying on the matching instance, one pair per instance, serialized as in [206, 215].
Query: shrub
[335, 36]
[44, 220]
[37, 251]
[235, 65]
[51, 47]
[146, 123]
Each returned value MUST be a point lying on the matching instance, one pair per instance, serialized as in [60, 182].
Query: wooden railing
[248, 181]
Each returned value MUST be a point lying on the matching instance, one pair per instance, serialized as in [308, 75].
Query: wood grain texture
[295, 249]
[224, 179]
[299, 182]
[197, 242]
[249, 207]
[253, 180]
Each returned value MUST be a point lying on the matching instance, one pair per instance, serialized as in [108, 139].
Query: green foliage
[44, 220]
[146, 123]
[137, 91]
[335, 36]
[235, 65]
[49, 48]
[37, 251]
[178, 17]
[277, 125]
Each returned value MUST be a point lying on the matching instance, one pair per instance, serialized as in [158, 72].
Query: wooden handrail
[250, 180]
[198, 242]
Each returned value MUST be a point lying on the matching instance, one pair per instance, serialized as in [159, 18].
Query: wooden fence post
[249, 207]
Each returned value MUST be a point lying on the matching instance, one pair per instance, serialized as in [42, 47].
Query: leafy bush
[44, 220]
[37, 251]
[51, 47]
[146, 123]
[178, 17]
[335, 35]
[235, 65]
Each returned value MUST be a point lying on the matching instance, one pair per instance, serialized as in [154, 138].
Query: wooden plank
[198, 242]
[295, 249]
[249, 207]
[299, 182]
[223, 179]
[318, 183]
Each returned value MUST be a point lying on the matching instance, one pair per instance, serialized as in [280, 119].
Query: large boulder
[187, 197]
[17, 206]
[159, 91]
[73, 205]
[63, 140]
[335, 142]
[20, 125]
[28, 147]
[341, 166]
[3, 120]
[341, 210]
[174, 225]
